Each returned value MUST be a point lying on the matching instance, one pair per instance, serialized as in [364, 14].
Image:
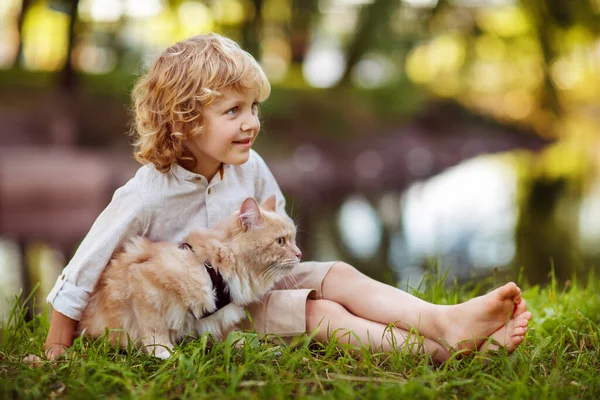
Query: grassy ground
[560, 359]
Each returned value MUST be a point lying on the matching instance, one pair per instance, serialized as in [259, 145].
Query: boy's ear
[270, 204]
[250, 215]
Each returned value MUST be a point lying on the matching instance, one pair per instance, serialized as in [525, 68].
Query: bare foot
[467, 325]
[512, 334]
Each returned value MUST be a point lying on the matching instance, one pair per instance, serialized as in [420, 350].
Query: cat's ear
[270, 204]
[250, 214]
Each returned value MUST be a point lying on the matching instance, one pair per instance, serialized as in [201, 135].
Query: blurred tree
[64, 126]
[252, 27]
[20, 18]
[551, 19]
[547, 230]
[373, 25]
[66, 77]
[304, 14]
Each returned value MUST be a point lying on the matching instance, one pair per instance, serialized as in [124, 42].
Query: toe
[514, 342]
[517, 340]
[520, 308]
[510, 291]
[526, 316]
[520, 331]
[521, 323]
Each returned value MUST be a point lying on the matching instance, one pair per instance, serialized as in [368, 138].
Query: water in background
[468, 220]
[475, 218]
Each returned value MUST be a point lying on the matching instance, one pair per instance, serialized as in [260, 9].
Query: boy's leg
[327, 318]
[470, 322]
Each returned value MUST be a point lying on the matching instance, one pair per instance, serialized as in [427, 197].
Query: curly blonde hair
[184, 79]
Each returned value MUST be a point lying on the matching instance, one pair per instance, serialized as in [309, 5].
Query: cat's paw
[161, 352]
[225, 256]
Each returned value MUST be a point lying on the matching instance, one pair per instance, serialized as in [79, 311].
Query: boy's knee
[321, 311]
[342, 270]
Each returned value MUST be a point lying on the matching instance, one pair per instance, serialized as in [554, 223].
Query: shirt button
[62, 277]
[209, 191]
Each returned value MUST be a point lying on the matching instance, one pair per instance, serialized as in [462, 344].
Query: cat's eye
[280, 241]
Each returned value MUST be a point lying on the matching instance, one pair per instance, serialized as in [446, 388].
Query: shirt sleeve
[124, 217]
[266, 185]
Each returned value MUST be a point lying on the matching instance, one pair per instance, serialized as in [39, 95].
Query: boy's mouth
[243, 142]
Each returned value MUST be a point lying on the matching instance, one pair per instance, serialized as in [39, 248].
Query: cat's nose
[299, 255]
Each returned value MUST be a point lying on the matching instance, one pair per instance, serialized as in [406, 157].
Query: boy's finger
[33, 361]
[55, 351]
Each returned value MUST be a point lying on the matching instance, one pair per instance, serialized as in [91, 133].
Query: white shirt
[162, 207]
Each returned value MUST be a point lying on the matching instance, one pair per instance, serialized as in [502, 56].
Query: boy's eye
[280, 241]
[233, 110]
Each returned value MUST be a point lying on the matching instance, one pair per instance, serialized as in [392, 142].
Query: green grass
[560, 359]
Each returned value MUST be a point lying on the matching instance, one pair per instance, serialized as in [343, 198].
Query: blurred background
[408, 135]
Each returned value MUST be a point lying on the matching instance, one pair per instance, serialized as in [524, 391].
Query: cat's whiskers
[278, 270]
[272, 270]
[289, 281]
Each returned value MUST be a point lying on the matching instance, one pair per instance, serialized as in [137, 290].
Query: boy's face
[230, 127]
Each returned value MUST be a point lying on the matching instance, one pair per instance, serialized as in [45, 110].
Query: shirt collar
[183, 174]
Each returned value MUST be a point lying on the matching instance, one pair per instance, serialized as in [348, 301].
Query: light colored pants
[283, 310]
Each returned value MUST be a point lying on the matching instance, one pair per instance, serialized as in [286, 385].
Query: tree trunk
[251, 31]
[373, 17]
[20, 19]
[63, 128]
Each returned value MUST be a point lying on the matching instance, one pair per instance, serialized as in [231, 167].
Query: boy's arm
[123, 218]
[60, 335]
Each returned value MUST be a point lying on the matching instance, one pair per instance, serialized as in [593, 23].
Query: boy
[196, 113]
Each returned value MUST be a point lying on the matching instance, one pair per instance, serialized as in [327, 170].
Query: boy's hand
[33, 361]
[59, 339]
[53, 351]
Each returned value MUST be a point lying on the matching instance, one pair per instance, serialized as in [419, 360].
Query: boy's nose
[250, 124]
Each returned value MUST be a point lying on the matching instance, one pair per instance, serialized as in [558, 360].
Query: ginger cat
[157, 293]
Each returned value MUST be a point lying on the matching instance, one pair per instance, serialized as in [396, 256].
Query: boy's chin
[238, 159]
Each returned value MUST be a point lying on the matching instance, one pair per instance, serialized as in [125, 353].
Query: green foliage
[560, 359]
